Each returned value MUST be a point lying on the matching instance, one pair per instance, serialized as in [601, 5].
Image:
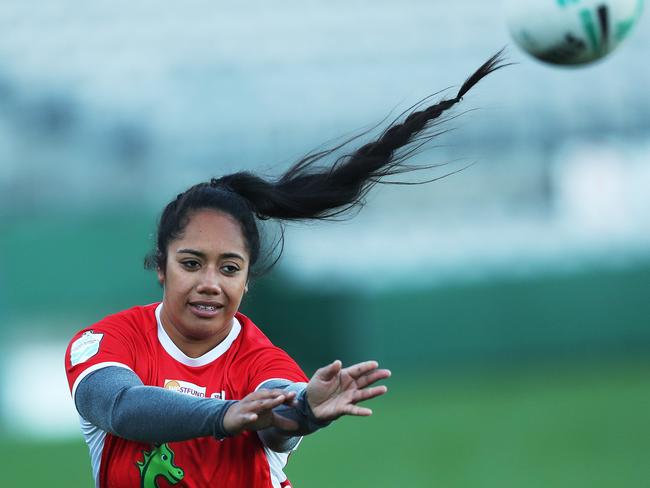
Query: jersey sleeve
[273, 363]
[106, 343]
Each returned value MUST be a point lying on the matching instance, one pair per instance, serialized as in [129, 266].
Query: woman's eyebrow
[232, 255]
[202, 255]
[191, 251]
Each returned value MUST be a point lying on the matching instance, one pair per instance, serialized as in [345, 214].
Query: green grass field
[569, 426]
[560, 428]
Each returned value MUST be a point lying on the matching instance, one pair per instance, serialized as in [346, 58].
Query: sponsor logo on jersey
[219, 395]
[185, 387]
[85, 347]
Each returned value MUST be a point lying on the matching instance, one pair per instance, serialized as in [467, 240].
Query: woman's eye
[230, 268]
[191, 264]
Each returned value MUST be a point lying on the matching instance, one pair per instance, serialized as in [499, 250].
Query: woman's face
[204, 281]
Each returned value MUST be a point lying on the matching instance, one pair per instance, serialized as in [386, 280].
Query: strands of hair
[309, 191]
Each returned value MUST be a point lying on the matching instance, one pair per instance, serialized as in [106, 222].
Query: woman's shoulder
[250, 332]
[262, 359]
[120, 335]
[138, 319]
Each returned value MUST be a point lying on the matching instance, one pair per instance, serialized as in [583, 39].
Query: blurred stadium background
[510, 300]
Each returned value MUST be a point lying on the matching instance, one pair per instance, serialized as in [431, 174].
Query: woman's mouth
[205, 310]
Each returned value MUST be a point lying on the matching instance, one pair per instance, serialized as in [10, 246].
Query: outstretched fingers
[357, 411]
[372, 377]
[331, 399]
[368, 393]
[327, 373]
[351, 408]
[262, 401]
[255, 411]
[357, 370]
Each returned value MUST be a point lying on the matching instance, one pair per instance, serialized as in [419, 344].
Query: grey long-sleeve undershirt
[115, 400]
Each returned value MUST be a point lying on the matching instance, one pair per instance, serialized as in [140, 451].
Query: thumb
[328, 372]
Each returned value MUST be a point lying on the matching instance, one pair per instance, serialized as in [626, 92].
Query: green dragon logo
[159, 462]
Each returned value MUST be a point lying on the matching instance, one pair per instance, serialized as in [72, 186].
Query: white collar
[173, 350]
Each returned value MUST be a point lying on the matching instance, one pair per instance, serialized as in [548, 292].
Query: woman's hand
[334, 391]
[255, 412]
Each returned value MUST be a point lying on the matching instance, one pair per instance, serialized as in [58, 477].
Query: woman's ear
[161, 276]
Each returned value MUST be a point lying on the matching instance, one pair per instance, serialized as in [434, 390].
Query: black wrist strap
[311, 422]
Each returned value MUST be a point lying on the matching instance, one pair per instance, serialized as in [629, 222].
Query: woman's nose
[209, 283]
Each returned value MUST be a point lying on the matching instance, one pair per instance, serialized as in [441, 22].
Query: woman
[244, 403]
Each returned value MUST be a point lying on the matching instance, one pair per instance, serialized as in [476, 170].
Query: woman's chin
[201, 330]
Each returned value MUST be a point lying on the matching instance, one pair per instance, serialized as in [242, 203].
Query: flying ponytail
[307, 191]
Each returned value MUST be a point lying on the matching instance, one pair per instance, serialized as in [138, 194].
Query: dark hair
[307, 190]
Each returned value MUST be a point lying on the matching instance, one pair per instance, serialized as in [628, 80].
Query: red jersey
[135, 339]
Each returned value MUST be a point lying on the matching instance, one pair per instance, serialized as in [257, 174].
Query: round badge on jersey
[85, 347]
